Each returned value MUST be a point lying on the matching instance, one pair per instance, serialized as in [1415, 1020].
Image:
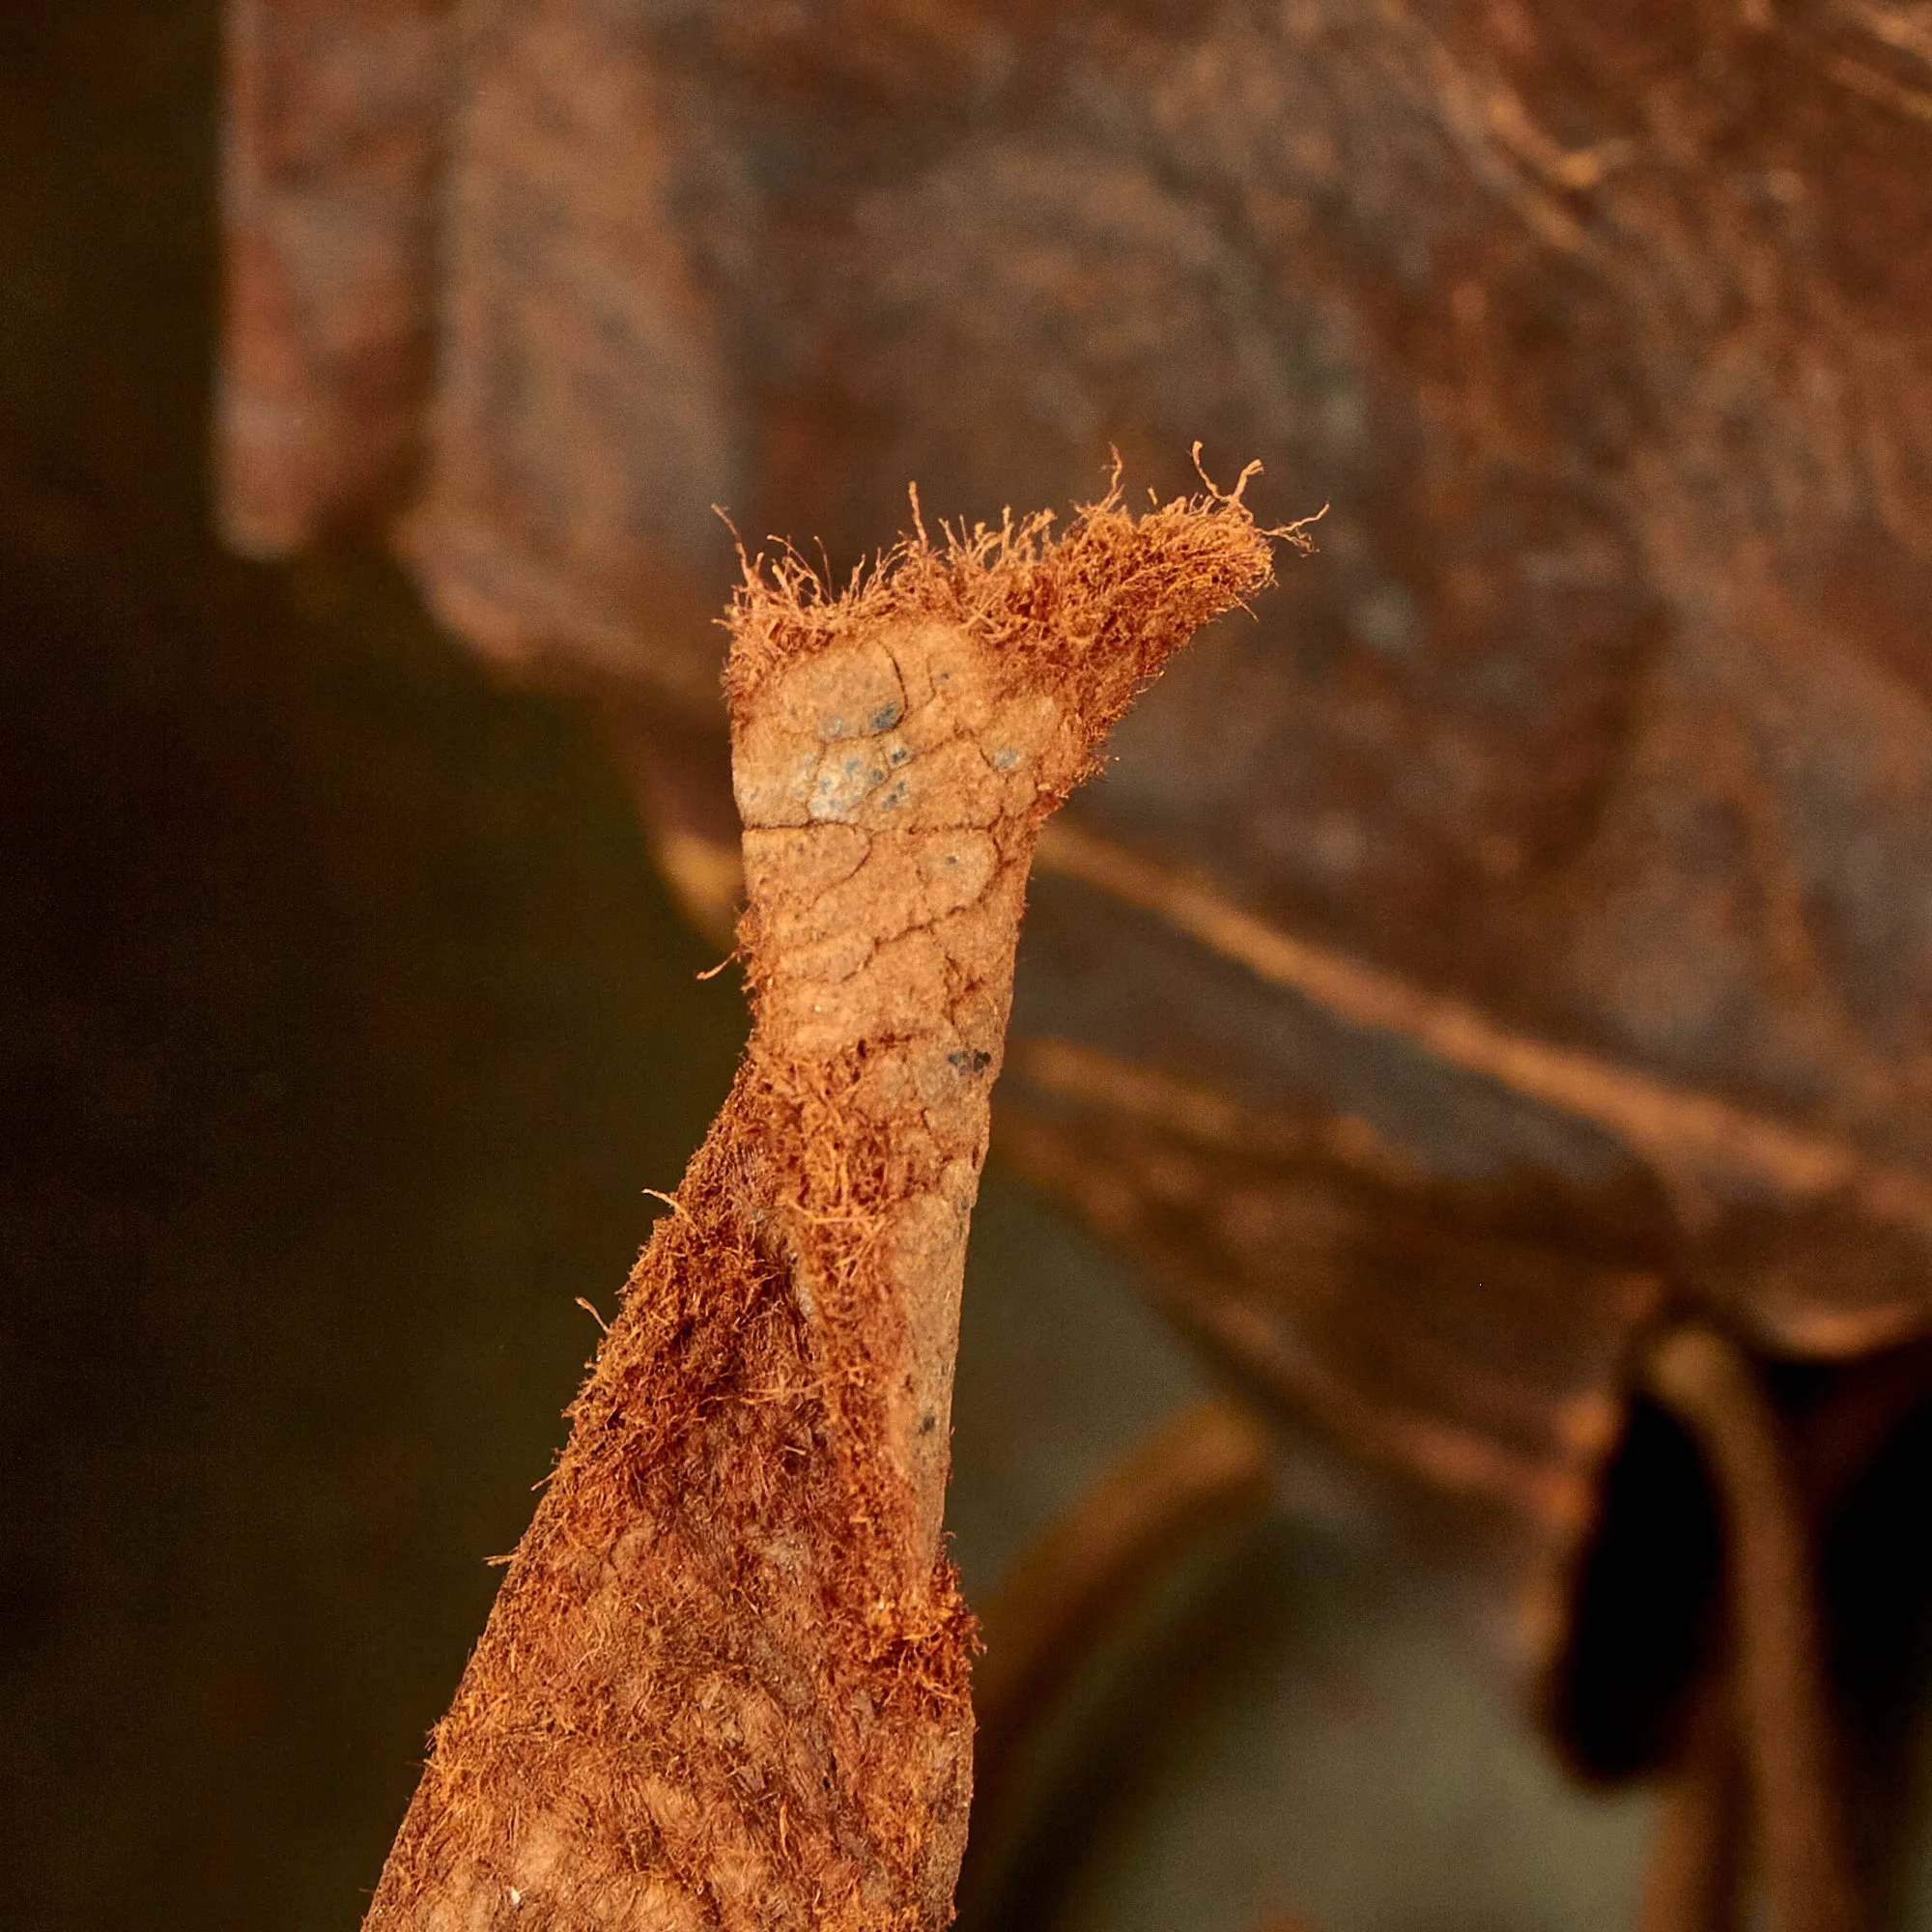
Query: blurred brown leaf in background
[1512, 941]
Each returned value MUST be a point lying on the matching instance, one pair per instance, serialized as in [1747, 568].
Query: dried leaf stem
[726, 1682]
[1790, 1747]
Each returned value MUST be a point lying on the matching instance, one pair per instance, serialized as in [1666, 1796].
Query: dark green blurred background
[342, 1024]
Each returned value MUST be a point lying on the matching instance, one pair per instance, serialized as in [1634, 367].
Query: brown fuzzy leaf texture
[725, 1683]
